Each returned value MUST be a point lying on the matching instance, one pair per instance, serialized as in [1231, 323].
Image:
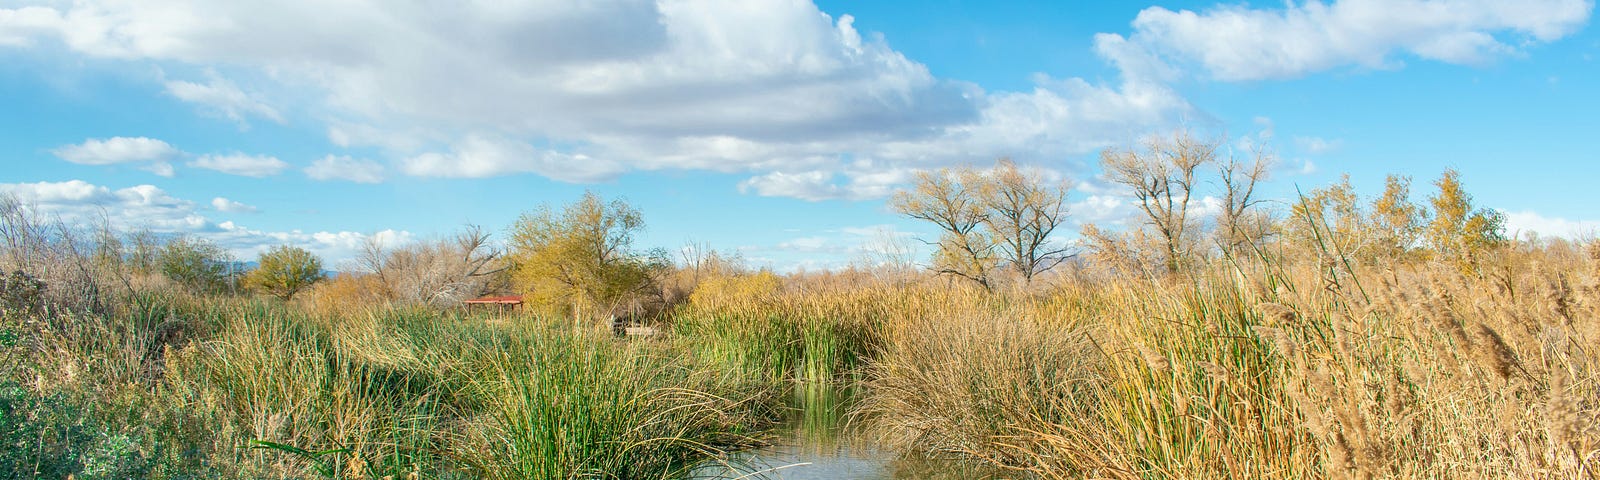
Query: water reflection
[819, 443]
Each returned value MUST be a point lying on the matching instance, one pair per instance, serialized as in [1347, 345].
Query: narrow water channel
[819, 443]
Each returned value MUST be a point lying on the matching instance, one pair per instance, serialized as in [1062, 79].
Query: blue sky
[772, 127]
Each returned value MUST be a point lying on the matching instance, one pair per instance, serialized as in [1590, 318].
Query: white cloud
[343, 167]
[163, 169]
[811, 245]
[1522, 222]
[479, 156]
[19, 27]
[586, 91]
[77, 202]
[223, 97]
[1306, 167]
[871, 245]
[241, 164]
[49, 193]
[337, 249]
[115, 150]
[230, 206]
[1317, 145]
[1105, 210]
[813, 185]
[1235, 42]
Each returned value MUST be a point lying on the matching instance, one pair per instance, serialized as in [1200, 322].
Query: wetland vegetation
[1339, 337]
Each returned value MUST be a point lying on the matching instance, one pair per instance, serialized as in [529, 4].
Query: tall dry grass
[1268, 370]
[1301, 362]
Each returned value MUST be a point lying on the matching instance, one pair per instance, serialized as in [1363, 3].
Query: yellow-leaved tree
[951, 199]
[1024, 211]
[581, 257]
[999, 219]
[1330, 219]
[1460, 233]
[1397, 222]
[285, 270]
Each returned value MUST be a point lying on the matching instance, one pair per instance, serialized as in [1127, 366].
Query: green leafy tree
[1459, 232]
[284, 271]
[197, 264]
[582, 257]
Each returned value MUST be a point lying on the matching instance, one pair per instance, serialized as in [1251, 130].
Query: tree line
[1002, 222]
[1001, 225]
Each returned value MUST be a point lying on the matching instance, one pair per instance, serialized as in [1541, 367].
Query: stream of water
[818, 444]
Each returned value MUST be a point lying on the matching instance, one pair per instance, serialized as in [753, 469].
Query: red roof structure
[505, 300]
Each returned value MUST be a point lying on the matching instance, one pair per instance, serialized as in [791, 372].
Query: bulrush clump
[1155, 362]
[1275, 314]
[1436, 308]
[1562, 421]
[1492, 351]
[1217, 373]
[1278, 339]
[1558, 293]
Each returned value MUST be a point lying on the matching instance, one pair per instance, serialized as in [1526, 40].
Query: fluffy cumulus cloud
[1234, 42]
[241, 164]
[20, 27]
[146, 153]
[337, 249]
[81, 203]
[76, 202]
[800, 101]
[343, 167]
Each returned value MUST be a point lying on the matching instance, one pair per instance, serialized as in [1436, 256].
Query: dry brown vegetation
[1348, 338]
[1263, 368]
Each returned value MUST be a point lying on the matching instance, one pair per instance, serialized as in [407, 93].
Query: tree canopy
[1460, 232]
[197, 264]
[285, 270]
[581, 256]
[1001, 218]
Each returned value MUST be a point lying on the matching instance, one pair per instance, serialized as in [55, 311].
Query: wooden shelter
[501, 304]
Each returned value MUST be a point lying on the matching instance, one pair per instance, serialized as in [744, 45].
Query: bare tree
[1024, 211]
[441, 272]
[1001, 217]
[1161, 177]
[889, 253]
[951, 199]
[1236, 227]
[699, 259]
[54, 253]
